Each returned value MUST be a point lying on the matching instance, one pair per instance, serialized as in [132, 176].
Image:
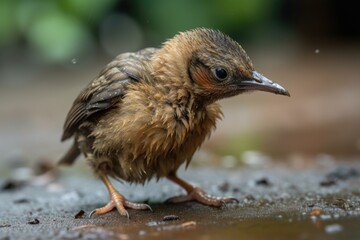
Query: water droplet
[325, 217]
[142, 232]
[333, 228]
[73, 61]
[317, 51]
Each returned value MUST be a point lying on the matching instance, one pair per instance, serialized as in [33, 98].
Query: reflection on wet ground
[321, 202]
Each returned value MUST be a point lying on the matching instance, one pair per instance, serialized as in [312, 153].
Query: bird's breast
[152, 134]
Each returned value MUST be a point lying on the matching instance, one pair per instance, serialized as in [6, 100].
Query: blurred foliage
[60, 30]
[57, 30]
[231, 16]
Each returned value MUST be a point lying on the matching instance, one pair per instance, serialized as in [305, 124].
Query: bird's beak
[261, 83]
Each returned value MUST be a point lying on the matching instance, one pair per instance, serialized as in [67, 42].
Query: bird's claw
[94, 211]
[119, 202]
[200, 196]
[137, 206]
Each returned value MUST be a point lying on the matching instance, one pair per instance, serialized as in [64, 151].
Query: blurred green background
[50, 49]
[56, 31]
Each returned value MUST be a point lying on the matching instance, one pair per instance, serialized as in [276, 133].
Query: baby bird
[147, 112]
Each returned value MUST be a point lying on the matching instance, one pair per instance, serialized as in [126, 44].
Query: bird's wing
[108, 88]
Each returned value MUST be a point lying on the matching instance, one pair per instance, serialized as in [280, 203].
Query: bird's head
[217, 65]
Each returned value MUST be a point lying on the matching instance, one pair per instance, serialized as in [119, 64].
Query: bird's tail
[70, 156]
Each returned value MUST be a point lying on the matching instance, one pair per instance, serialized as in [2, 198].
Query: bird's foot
[198, 195]
[120, 203]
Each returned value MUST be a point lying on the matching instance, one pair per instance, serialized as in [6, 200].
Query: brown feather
[70, 156]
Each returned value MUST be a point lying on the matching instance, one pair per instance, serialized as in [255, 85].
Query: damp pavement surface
[297, 198]
[276, 201]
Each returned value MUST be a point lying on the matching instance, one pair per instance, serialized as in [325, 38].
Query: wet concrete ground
[298, 198]
[321, 202]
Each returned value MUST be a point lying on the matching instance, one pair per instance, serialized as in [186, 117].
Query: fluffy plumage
[148, 112]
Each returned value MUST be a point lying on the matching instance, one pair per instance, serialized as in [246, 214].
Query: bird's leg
[197, 194]
[117, 201]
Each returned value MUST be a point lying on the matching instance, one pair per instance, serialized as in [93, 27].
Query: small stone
[249, 198]
[34, 221]
[5, 225]
[171, 218]
[263, 182]
[80, 214]
[341, 203]
[328, 182]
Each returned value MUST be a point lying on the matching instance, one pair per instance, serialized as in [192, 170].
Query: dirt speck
[170, 218]
[5, 225]
[11, 185]
[80, 214]
[34, 221]
[263, 182]
[328, 182]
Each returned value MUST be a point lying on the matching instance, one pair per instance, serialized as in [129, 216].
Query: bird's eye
[220, 73]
